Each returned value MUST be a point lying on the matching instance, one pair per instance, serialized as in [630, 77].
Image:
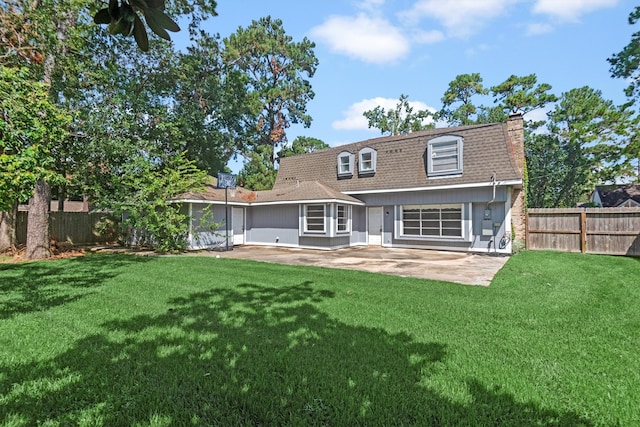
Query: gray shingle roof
[293, 192]
[401, 161]
[211, 193]
[303, 191]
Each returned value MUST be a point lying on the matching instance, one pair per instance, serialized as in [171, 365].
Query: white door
[237, 219]
[374, 228]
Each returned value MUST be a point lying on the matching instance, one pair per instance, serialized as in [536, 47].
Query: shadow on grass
[36, 286]
[251, 355]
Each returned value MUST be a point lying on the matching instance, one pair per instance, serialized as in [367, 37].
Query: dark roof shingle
[401, 161]
[614, 195]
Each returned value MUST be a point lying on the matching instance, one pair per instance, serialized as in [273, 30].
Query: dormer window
[367, 161]
[444, 156]
[345, 164]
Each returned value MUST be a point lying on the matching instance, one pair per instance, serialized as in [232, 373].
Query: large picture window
[314, 218]
[432, 221]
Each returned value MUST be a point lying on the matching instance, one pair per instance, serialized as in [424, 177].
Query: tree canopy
[402, 119]
[625, 64]
[31, 130]
[460, 93]
[274, 71]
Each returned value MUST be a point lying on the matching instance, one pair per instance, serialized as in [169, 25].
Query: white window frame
[347, 218]
[434, 149]
[350, 159]
[371, 161]
[421, 219]
[306, 218]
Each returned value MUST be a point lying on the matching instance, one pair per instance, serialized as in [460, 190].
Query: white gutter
[438, 187]
[289, 202]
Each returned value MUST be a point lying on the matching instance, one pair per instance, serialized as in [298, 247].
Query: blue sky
[372, 51]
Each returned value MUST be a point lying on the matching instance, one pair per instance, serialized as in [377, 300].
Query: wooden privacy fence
[78, 228]
[613, 231]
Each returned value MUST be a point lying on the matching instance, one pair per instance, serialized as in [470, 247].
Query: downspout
[489, 203]
[493, 183]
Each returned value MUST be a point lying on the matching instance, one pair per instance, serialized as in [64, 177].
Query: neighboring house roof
[615, 195]
[401, 161]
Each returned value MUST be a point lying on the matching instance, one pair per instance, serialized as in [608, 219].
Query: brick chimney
[515, 130]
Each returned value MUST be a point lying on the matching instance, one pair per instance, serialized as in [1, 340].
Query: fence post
[526, 230]
[583, 231]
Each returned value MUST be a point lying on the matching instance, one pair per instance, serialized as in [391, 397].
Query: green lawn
[159, 341]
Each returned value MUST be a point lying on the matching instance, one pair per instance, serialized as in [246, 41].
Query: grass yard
[106, 340]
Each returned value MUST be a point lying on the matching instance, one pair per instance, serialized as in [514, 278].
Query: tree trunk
[38, 234]
[38, 243]
[8, 229]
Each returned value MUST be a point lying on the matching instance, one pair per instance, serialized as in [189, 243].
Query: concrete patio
[458, 267]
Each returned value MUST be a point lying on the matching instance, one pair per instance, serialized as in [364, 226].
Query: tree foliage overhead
[516, 94]
[130, 114]
[460, 93]
[522, 93]
[596, 133]
[626, 63]
[584, 146]
[401, 119]
[122, 18]
[275, 72]
[31, 130]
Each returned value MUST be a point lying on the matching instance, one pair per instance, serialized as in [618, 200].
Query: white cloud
[570, 10]
[371, 40]
[354, 119]
[461, 18]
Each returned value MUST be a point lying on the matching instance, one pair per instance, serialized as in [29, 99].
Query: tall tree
[626, 63]
[210, 106]
[547, 167]
[460, 94]
[521, 93]
[51, 38]
[31, 129]
[585, 146]
[276, 70]
[134, 136]
[400, 120]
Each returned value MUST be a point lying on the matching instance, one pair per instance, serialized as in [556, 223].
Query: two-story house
[458, 189]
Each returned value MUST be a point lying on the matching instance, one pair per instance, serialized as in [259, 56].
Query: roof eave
[516, 183]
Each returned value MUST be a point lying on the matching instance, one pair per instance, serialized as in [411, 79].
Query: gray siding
[272, 225]
[479, 198]
[358, 225]
[489, 243]
[462, 195]
[278, 225]
[208, 226]
[324, 242]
